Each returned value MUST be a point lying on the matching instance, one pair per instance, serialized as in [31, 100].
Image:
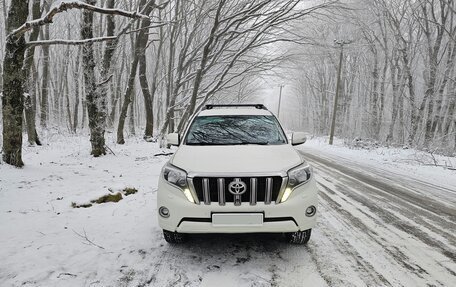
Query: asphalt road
[375, 228]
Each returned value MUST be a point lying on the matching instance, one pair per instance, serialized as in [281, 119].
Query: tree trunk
[45, 80]
[131, 118]
[13, 83]
[148, 100]
[29, 112]
[450, 116]
[429, 95]
[76, 92]
[127, 101]
[93, 96]
[449, 67]
[30, 94]
[395, 87]
[148, 97]
[169, 107]
[139, 46]
[5, 15]
[67, 102]
[106, 65]
[84, 110]
[382, 94]
[374, 98]
[1, 77]
[117, 93]
[434, 44]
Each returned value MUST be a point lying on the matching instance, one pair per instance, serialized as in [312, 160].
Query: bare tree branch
[69, 42]
[64, 6]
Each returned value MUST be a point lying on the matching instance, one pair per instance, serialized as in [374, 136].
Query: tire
[298, 237]
[174, 237]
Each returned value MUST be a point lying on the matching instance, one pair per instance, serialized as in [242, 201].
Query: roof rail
[257, 106]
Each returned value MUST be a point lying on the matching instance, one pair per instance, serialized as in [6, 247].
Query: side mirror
[298, 138]
[173, 139]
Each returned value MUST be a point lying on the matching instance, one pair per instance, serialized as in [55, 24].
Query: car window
[235, 130]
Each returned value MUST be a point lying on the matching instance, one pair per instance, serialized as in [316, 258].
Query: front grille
[258, 189]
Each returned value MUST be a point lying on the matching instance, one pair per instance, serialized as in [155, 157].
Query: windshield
[235, 130]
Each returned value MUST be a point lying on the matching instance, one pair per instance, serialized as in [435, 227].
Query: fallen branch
[67, 274]
[164, 154]
[110, 148]
[89, 242]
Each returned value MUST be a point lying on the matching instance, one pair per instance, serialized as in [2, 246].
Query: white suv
[235, 172]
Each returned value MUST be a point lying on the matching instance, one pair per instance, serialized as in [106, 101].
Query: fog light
[164, 212]
[311, 210]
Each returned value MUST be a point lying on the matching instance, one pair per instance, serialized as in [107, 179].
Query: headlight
[299, 175]
[178, 178]
[175, 176]
[296, 176]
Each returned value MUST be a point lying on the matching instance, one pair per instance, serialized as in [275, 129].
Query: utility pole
[280, 101]
[336, 98]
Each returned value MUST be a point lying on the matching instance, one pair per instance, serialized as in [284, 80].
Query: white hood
[238, 158]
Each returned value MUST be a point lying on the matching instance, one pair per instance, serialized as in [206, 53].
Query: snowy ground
[384, 220]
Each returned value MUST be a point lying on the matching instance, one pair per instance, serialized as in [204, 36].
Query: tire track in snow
[442, 193]
[356, 199]
[387, 197]
[427, 203]
[393, 251]
[340, 248]
[401, 215]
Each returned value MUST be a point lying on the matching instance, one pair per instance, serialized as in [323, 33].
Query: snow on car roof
[234, 111]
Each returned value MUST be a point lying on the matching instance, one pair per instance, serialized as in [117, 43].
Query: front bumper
[187, 217]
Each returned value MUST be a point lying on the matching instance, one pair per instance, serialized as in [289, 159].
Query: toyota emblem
[237, 187]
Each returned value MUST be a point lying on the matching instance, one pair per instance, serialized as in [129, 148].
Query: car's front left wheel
[298, 237]
[174, 237]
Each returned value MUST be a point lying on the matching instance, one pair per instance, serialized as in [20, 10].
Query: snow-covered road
[375, 228]
[381, 228]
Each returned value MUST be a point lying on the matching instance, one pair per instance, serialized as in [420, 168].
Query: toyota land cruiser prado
[235, 172]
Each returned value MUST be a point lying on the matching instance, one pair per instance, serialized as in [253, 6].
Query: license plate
[237, 219]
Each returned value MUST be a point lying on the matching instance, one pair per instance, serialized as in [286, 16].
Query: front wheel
[298, 237]
[174, 237]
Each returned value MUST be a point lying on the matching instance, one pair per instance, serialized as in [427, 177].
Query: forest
[228, 143]
[143, 67]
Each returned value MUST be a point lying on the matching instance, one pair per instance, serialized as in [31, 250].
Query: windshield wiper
[202, 143]
[253, 143]
[236, 143]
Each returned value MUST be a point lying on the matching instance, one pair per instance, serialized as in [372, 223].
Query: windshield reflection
[235, 130]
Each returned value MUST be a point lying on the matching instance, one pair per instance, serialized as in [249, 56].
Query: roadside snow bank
[412, 163]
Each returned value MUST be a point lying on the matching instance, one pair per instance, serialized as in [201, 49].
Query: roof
[235, 112]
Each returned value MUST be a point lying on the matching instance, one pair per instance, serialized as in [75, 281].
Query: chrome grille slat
[206, 191]
[253, 191]
[221, 190]
[268, 192]
[261, 189]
